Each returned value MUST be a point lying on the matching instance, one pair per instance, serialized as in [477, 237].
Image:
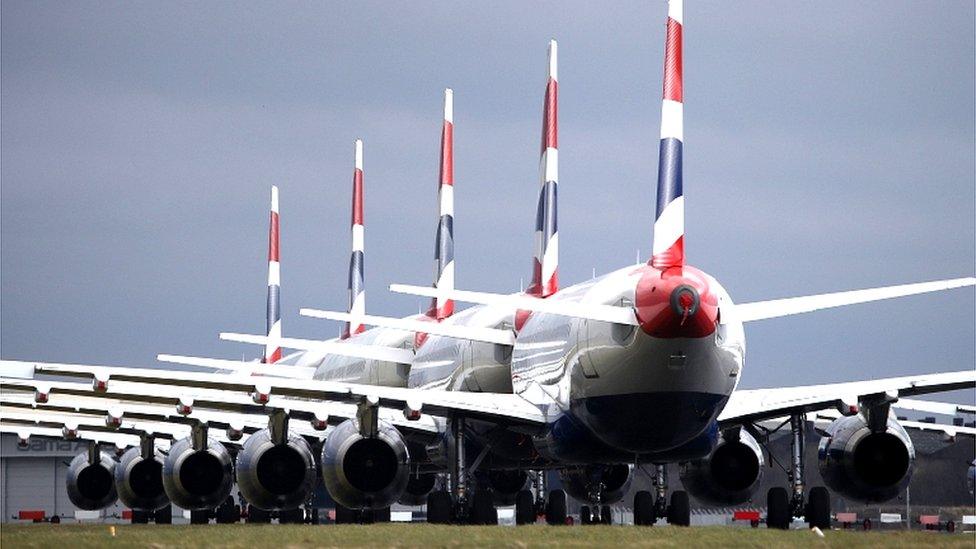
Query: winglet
[669, 221]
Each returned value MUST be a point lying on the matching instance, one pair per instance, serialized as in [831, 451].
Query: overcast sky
[828, 146]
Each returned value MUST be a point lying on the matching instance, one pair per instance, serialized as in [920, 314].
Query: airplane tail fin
[669, 222]
[272, 351]
[357, 291]
[441, 308]
[545, 272]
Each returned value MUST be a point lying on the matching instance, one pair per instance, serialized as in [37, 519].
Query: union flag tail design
[545, 271]
[441, 308]
[357, 291]
[669, 223]
[272, 351]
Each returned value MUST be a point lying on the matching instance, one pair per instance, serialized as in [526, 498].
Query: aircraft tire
[643, 509]
[818, 508]
[164, 515]
[140, 517]
[381, 515]
[777, 508]
[524, 508]
[482, 508]
[679, 512]
[345, 515]
[200, 516]
[439, 507]
[606, 516]
[556, 508]
[585, 515]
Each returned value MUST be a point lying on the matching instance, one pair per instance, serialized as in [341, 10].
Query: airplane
[635, 368]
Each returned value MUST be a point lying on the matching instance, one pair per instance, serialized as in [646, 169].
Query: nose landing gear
[781, 507]
[647, 508]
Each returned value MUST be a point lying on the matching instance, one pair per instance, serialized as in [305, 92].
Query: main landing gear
[781, 506]
[459, 504]
[647, 508]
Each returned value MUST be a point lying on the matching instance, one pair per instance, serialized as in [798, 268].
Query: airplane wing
[119, 440]
[761, 310]
[367, 352]
[486, 335]
[948, 430]
[590, 311]
[749, 405]
[240, 393]
[241, 367]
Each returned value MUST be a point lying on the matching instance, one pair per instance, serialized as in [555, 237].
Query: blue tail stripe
[668, 173]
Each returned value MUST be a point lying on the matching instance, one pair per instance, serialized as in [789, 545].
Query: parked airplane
[636, 368]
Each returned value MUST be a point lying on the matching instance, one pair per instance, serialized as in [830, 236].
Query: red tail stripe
[357, 197]
[447, 154]
[273, 238]
[674, 255]
[672, 63]
[275, 357]
[550, 121]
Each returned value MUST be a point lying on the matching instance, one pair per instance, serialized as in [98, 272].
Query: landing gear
[459, 473]
[605, 515]
[524, 508]
[679, 512]
[644, 509]
[291, 516]
[140, 517]
[345, 515]
[556, 508]
[782, 507]
[200, 516]
[439, 507]
[257, 516]
[164, 515]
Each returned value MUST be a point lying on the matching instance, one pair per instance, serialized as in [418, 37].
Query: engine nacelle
[870, 467]
[363, 472]
[729, 475]
[91, 482]
[418, 488]
[139, 480]
[197, 479]
[505, 485]
[586, 483]
[275, 476]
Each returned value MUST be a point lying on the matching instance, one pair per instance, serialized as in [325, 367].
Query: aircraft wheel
[556, 508]
[314, 516]
[585, 514]
[818, 508]
[291, 516]
[164, 515]
[381, 515]
[439, 507]
[140, 517]
[643, 509]
[777, 508]
[200, 516]
[482, 508]
[345, 515]
[257, 516]
[524, 507]
[606, 517]
[679, 512]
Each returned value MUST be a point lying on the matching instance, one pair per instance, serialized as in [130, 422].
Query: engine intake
[364, 472]
[275, 476]
[197, 479]
[866, 466]
[90, 480]
[729, 475]
[597, 484]
[139, 480]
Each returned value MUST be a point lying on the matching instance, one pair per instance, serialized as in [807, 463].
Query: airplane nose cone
[676, 302]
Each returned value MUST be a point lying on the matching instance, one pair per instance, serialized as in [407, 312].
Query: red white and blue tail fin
[441, 308]
[357, 291]
[669, 223]
[545, 271]
[272, 351]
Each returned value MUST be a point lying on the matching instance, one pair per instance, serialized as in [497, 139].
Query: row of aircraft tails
[466, 409]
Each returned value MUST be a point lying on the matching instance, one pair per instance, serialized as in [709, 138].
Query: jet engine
[728, 475]
[418, 488]
[505, 484]
[275, 476]
[90, 480]
[197, 474]
[865, 465]
[597, 484]
[365, 471]
[139, 479]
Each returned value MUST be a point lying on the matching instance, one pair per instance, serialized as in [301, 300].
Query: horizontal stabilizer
[761, 310]
[238, 367]
[367, 352]
[597, 312]
[486, 335]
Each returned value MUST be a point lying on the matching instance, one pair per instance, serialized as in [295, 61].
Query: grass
[428, 536]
